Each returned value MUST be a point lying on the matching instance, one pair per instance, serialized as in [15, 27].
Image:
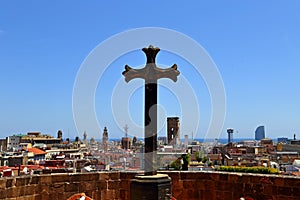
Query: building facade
[13, 141]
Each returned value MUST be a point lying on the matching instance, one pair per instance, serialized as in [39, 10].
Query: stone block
[296, 191]
[215, 176]
[285, 198]
[2, 183]
[266, 180]
[125, 184]
[53, 195]
[40, 188]
[114, 184]
[96, 194]
[114, 176]
[188, 184]
[13, 192]
[104, 176]
[29, 190]
[124, 194]
[25, 198]
[185, 175]
[72, 187]
[88, 185]
[117, 194]
[103, 185]
[177, 193]
[210, 185]
[89, 177]
[57, 178]
[177, 184]
[237, 189]
[62, 195]
[38, 197]
[95, 177]
[267, 197]
[207, 194]
[46, 179]
[246, 179]
[108, 195]
[201, 185]
[291, 182]
[45, 194]
[224, 186]
[223, 177]
[190, 194]
[222, 195]
[10, 182]
[284, 191]
[57, 187]
[11, 198]
[75, 177]
[279, 181]
[34, 179]
[3, 193]
[127, 175]
[234, 178]
[258, 189]
[249, 189]
[199, 176]
[21, 190]
[20, 181]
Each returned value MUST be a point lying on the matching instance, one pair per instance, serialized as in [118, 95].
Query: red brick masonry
[186, 186]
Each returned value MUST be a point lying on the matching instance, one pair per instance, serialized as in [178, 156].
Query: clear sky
[254, 44]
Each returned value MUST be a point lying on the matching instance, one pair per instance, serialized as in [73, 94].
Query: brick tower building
[105, 140]
[173, 130]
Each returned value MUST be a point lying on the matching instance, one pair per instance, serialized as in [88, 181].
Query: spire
[126, 130]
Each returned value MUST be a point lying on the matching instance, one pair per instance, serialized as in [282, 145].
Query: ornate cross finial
[150, 73]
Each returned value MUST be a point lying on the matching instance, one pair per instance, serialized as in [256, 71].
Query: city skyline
[255, 46]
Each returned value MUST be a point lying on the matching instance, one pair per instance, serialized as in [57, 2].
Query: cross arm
[170, 73]
[131, 73]
[151, 73]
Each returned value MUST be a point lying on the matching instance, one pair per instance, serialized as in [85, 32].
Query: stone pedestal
[156, 187]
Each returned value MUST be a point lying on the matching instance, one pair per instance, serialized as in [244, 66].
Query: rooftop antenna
[126, 130]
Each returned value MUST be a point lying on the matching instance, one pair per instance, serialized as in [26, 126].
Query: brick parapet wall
[223, 185]
[185, 185]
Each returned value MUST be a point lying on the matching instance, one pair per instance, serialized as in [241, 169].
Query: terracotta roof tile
[36, 151]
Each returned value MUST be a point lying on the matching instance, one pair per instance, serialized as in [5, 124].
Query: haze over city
[255, 46]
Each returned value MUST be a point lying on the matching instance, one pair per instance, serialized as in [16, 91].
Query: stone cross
[150, 73]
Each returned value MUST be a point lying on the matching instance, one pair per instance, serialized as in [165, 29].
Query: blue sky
[254, 44]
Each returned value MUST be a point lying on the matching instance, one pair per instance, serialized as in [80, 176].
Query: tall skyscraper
[186, 141]
[230, 135]
[260, 133]
[173, 130]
